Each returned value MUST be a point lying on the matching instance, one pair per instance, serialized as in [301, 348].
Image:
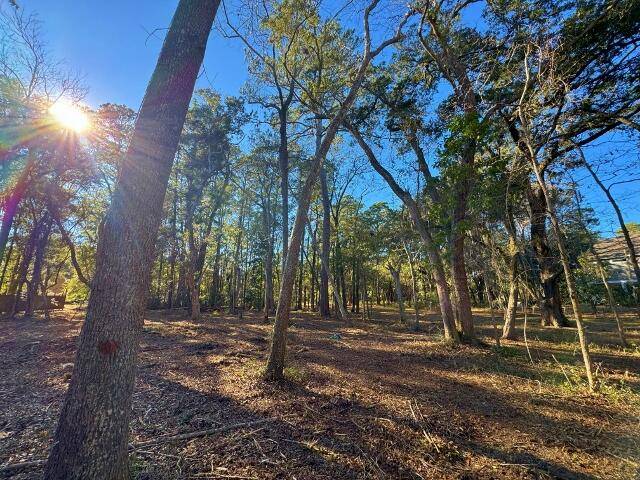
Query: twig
[562, 368]
[428, 436]
[526, 307]
[198, 434]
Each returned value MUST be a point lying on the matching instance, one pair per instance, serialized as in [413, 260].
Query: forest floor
[370, 401]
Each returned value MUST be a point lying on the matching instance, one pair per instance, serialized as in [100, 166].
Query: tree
[275, 363]
[91, 437]
[205, 150]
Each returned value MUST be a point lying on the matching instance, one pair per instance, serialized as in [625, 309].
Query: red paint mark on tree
[108, 347]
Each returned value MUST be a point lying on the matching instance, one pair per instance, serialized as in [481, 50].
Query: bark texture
[551, 312]
[90, 441]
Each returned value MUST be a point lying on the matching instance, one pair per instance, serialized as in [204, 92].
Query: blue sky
[110, 43]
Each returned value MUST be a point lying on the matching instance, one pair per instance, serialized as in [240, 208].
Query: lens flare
[69, 116]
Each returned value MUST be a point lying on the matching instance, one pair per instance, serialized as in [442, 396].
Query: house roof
[615, 254]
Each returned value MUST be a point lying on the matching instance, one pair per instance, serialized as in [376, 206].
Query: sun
[69, 116]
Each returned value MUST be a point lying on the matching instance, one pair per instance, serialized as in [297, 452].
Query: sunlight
[69, 115]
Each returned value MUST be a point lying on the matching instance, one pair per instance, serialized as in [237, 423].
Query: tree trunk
[509, 328]
[283, 161]
[174, 250]
[193, 284]
[12, 202]
[235, 275]
[414, 289]
[7, 259]
[356, 285]
[395, 274]
[36, 275]
[334, 288]
[23, 266]
[326, 239]
[275, 364]
[214, 296]
[268, 259]
[564, 259]
[343, 280]
[460, 283]
[442, 288]
[312, 289]
[194, 289]
[301, 275]
[91, 437]
[551, 305]
[13, 278]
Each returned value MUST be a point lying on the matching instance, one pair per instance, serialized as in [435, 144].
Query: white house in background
[615, 255]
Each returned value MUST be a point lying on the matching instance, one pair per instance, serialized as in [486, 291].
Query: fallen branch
[198, 434]
[18, 466]
[157, 441]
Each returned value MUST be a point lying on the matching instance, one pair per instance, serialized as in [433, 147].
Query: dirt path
[371, 401]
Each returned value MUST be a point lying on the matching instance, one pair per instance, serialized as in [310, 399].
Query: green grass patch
[296, 374]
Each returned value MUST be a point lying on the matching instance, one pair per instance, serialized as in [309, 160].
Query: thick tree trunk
[90, 441]
[460, 283]
[551, 312]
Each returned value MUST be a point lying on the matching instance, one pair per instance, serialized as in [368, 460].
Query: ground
[371, 401]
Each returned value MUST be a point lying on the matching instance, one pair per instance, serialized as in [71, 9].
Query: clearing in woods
[369, 401]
